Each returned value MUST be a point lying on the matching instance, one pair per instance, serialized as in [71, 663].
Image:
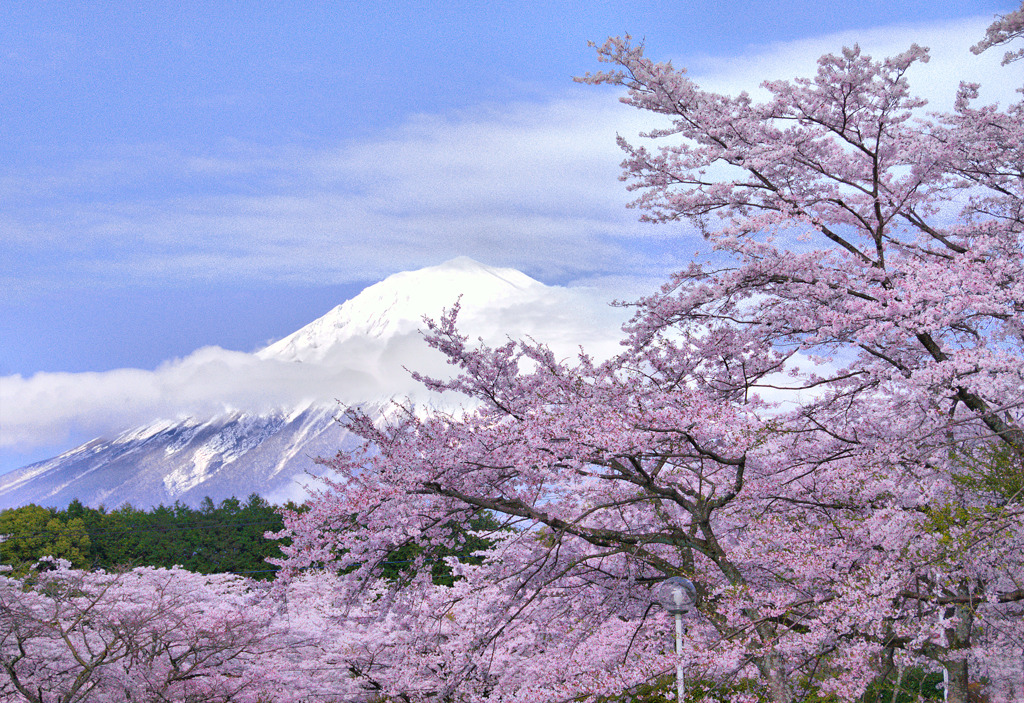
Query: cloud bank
[49, 407]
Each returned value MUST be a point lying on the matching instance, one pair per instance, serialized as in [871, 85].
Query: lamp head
[676, 595]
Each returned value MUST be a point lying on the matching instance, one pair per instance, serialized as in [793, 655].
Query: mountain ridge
[272, 451]
[233, 454]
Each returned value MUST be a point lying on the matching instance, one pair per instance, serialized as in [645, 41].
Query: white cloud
[47, 407]
[531, 185]
[951, 61]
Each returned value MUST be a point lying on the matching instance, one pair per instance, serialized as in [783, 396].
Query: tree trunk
[774, 671]
[956, 682]
[959, 638]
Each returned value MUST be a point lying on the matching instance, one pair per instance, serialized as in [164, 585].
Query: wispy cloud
[951, 61]
[531, 185]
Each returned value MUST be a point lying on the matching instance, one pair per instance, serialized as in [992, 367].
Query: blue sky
[178, 175]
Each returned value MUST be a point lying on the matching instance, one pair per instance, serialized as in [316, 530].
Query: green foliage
[212, 539]
[908, 686]
[994, 476]
[995, 471]
[31, 532]
[459, 543]
[228, 537]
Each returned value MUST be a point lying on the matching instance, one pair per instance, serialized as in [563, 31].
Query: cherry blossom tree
[1004, 30]
[141, 635]
[821, 425]
[917, 307]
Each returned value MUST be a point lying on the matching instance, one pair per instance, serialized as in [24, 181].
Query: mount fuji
[266, 439]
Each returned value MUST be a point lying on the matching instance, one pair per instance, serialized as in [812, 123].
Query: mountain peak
[249, 426]
[398, 304]
[461, 263]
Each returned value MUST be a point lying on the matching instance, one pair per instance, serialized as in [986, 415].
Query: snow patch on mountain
[240, 423]
[232, 454]
[398, 304]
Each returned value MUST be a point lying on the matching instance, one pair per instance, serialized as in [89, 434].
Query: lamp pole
[677, 596]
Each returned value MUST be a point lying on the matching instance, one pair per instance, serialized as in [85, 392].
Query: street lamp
[678, 597]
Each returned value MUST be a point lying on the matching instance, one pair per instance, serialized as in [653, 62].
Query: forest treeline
[213, 538]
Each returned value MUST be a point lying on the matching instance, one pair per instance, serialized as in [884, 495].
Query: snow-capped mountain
[234, 454]
[275, 410]
[398, 304]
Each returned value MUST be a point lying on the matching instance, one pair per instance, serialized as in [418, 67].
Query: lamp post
[678, 597]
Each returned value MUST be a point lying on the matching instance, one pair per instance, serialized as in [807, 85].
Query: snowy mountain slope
[398, 304]
[234, 454]
[284, 397]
